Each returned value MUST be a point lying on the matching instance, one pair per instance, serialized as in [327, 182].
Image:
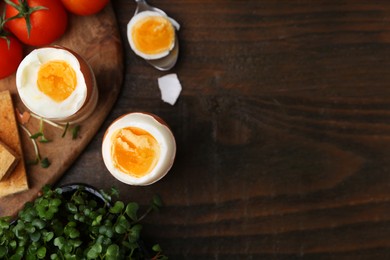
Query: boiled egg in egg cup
[152, 36]
[57, 84]
[138, 149]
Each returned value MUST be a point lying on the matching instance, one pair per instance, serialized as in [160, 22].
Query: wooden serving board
[97, 39]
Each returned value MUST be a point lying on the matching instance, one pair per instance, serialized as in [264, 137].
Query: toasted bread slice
[9, 135]
[8, 161]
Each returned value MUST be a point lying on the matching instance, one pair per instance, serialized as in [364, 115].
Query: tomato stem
[3, 33]
[24, 11]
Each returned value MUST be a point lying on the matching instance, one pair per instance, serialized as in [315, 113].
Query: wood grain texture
[97, 39]
[283, 130]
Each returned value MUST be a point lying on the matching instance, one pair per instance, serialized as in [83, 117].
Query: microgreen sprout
[45, 163]
[155, 205]
[75, 132]
[40, 133]
[64, 128]
[79, 225]
[40, 136]
[159, 256]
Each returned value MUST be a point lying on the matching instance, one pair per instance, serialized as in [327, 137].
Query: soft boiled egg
[138, 148]
[151, 34]
[56, 83]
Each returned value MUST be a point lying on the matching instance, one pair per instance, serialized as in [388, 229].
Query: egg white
[37, 101]
[134, 21]
[159, 131]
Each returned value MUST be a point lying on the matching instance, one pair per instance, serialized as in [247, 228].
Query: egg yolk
[153, 35]
[134, 151]
[57, 79]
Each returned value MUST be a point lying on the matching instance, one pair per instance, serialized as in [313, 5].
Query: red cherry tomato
[47, 24]
[84, 7]
[11, 56]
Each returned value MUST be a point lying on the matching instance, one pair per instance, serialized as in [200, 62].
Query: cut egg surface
[134, 151]
[50, 83]
[138, 149]
[151, 35]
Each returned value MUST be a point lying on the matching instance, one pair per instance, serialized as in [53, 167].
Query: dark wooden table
[282, 129]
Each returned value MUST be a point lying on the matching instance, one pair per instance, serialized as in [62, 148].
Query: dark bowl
[69, 189]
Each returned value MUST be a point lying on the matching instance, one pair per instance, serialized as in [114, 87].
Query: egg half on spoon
[57, 84]
[138, 149]
[151, 34]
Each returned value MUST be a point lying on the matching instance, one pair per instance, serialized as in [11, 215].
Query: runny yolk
[153, 35]
[134, 151]
[57, 79]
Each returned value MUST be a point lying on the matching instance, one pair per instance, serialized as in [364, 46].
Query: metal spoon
[167, 62]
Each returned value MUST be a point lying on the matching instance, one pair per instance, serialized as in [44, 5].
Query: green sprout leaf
[36, 135]
[114, 192]
[118, 207]
[55, 203]
[75, 132]
[107, 231]
[97, 220]
[156, 248]
[39, 223]
[75, 243]
[65, 130]
[132, 210]
[94, 251]
[47, 236]
[45, 163]
[41, 252]
[71, 207]
[122, 225]
[156, 202]
[60, 242]
[3, 251]
[119, 229]
[135, 233]
[71, 231]
[35, 236]
[112, 252]
[40, 133]
[44, 140]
